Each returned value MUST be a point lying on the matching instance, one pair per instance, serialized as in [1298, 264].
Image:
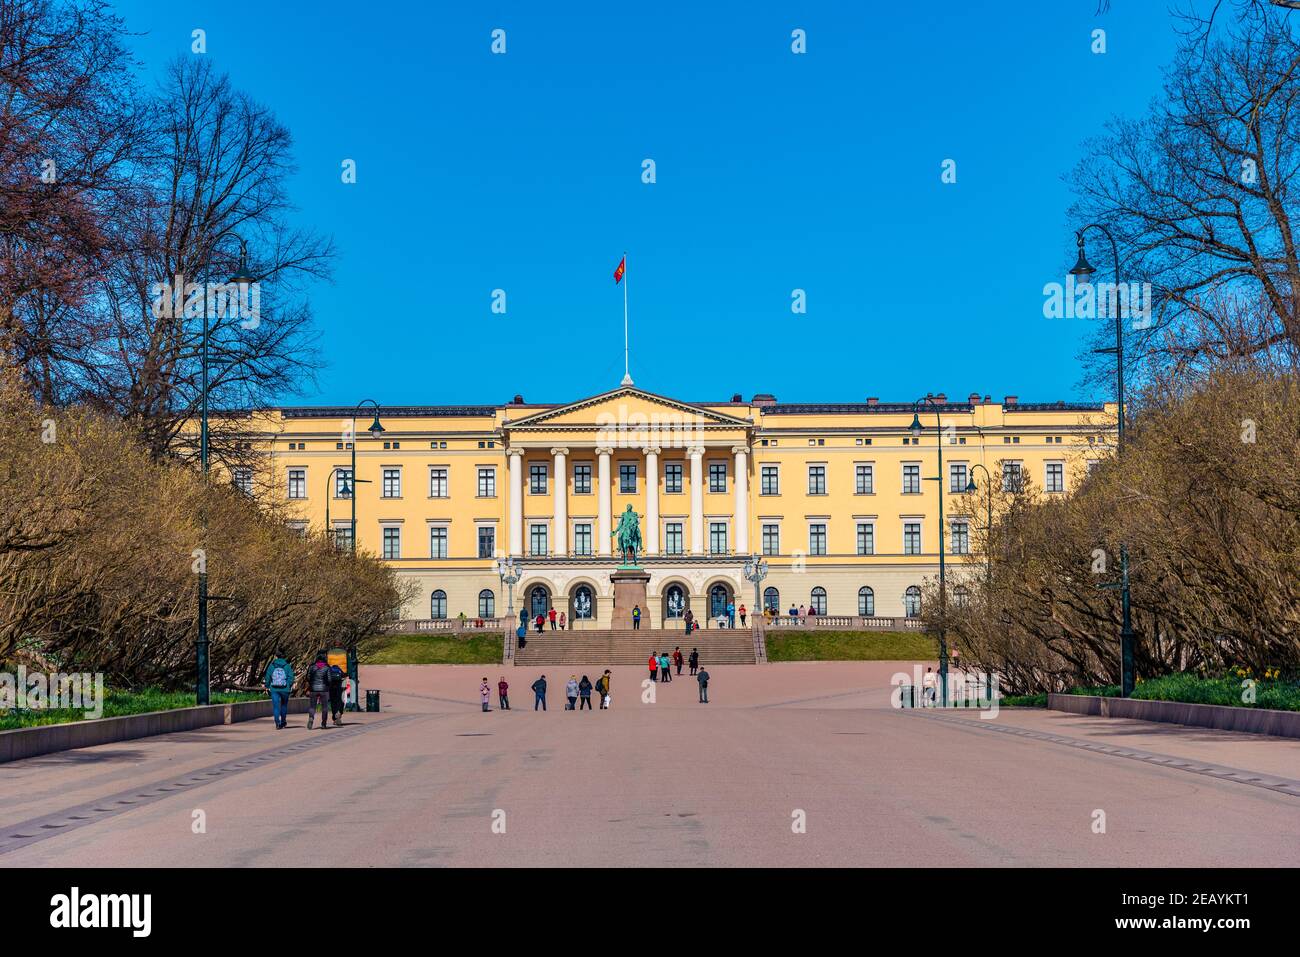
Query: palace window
[817, 539]
[487, 541]
[582, 538]
[911, 538]
[438, 604]
[627, 478]
[343, 537]
[243, 480]
[957, 478]
[437, 541]
[911, 480]
[487, 604]
[392, 483]
[961, 596]
[717, 476]
[392, 542]
[772, 600]
[912, 602]
[866, 602]
[343, 483]
[864, 480]
[771, 539]
[866, 538]
[582, 479]
[673, 538]
[438, 481]
[817, 602]
[297, 483]
[816, 480]
[673, 477]
[537, 540]
[675, 602]
[487, 483]
[770, 478]
[583, 603]
[537, 479]
[1055, 477]
[1012, 479]
[718, 538]
[960, 538]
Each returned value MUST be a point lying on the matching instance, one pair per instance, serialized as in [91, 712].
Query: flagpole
[627, 375]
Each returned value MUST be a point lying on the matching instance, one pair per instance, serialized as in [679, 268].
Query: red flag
[622, 268]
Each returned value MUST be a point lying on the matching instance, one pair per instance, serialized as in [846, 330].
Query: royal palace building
[840, 499]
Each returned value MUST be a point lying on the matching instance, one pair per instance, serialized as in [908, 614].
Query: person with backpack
[318, 690]
[485, 692]
[584, 691]
[503, 692]
[703, 679]
[695, 660]
[540, 623]
[602, 685]
[636, 617]
[337, 676]
[654, 665]
[677, 659]
[539, 689]
[571, 692]
[279, 682]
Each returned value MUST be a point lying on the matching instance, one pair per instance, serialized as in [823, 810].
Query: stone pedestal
[629, 591]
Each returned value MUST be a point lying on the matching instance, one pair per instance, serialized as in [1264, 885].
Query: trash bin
[372, 700]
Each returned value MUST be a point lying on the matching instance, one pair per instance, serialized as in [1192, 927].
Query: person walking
[741, 610]
[690, 621]
[930, 684]
[571, 692]
[318, 690]
[602, 683]
[539, 689]
[552, 617]
[523, 618]
[636, 617]
[337, 676]
[731, 614]
[485, 692]
[584, 692]
[564, 621]
[503, 693]
[540, 622]
[703, 679]
[664, 674]
[654, 665]
[695, 660]
[677, 659]
[279, 682]
[803, 614]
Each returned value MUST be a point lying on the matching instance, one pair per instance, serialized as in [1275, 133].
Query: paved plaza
[432, 781]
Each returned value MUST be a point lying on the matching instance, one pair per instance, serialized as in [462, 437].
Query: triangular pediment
[623, 406]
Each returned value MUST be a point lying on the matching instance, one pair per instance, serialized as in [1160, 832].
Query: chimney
[988, 400]
[517, 400]
[763, 399]
[941, 398]
[735, 397]
[973, 398]
[872, 400]
[1010, 400]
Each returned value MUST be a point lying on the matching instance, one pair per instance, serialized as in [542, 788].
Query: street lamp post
[202, 688]
[1085, 269]
[988, 529]
[943, 578]
[375, 430]
[509, 572]
[348, 492]
[756, 571]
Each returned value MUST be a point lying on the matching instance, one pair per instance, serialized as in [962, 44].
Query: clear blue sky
[775, 172]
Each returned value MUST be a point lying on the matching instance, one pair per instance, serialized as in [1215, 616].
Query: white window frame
[383, 540]
[920, 539]
[1047, 474]
[826, 537]
[289, 473]
[857, 531]
[446, 480]
[383, 481]
[871, 477]
[902, 478]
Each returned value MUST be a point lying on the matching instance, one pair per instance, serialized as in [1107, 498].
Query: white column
[602, 500]
[697, 499]
[742, 498]
[516, 457]
[560, 480]
[651, 500]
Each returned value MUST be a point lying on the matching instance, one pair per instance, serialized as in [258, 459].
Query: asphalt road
[789, 765]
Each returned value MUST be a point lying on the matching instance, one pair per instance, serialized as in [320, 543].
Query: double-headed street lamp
[1085, 269]
[202, 688]
[756, 571]
[916, 429]
[509, 572]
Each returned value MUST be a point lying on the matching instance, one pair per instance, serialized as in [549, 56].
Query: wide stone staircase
[606, 647]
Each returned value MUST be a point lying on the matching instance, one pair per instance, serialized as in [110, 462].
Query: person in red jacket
[654, 666]
[552, 616]
[503, 689]
[677, 659]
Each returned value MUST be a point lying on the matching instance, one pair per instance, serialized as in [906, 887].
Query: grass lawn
[821, 644]
[433, 649]
[116, 705]
[1193, 689]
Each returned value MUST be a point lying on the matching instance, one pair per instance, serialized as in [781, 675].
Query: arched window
[772, 600]
[539, 601]
[961, 596]
[912, 602]
[719, 596]
[818, 603]
[438, 604]
[584, 604]
[487, 604]
[675, 602]
[866, 602]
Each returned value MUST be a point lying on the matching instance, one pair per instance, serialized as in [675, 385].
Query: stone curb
[1285, 724]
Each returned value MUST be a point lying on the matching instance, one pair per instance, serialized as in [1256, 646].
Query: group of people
[578, 691]
[558, 622]
[802, 613]
[662, 665]
[326, 685]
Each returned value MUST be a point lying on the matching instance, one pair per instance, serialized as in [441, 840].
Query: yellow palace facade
[840, 499]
